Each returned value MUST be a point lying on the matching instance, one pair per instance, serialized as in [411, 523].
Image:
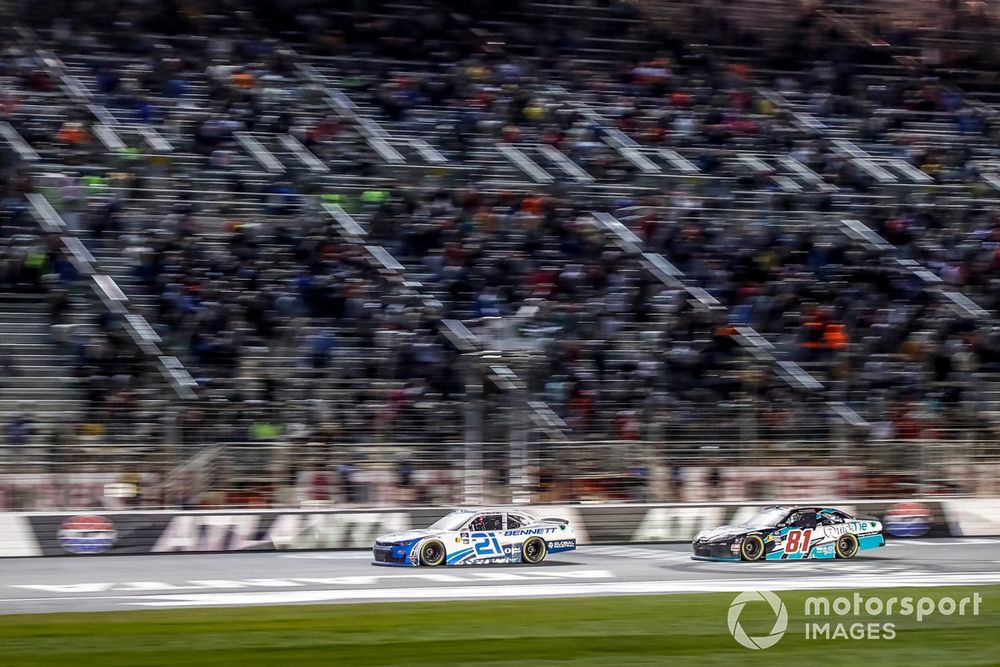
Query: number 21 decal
[798, 540]
[486, 544]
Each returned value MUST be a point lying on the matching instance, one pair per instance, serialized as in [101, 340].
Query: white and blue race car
[477, 536]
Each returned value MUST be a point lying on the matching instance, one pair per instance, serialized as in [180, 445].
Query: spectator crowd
[296, 330]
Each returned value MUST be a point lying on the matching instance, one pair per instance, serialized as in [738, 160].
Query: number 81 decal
[798, 540]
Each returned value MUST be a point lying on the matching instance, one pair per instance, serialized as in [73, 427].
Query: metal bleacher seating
[808, 167]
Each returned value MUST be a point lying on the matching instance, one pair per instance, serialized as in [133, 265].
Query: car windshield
[452, 521]
[766, 518]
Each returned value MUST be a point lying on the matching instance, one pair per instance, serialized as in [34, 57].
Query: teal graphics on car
[791, 533]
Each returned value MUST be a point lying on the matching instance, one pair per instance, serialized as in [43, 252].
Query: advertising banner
[973, 517]
[109, 533]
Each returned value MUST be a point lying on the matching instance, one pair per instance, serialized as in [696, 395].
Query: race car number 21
[798, 540]
[486, 544]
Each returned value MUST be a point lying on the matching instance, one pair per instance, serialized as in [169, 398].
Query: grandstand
[504, 251]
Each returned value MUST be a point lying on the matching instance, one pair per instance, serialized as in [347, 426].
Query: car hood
[406, 535]
[721, 532]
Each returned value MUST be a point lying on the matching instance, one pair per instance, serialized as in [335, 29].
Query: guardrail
[121, 533]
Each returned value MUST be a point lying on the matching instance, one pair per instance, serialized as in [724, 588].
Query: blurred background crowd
[583, 249]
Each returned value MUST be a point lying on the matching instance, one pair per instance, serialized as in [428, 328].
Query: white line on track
[562, 589]
[386, 576]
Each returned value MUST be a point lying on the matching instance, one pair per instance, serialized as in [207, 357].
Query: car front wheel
[752, 547]
[432, 553]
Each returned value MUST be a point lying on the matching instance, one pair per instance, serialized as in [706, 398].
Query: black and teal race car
[791, 533]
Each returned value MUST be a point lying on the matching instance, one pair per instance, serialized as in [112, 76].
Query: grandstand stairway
[42, 382]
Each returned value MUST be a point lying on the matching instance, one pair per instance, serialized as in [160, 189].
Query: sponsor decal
[562, 544]
[87, 534]
[529, 531]
[488, 561]
[836, 530]
[241, 532]
[823, 550]
[908, 520]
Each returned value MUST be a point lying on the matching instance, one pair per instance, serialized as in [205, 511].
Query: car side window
[828, 519]
[487, 522]
[513, 521]
[804, 519]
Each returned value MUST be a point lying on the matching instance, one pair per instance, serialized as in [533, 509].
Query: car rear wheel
[533, 550]
[847, 546]
[752, 547]
[432, 553]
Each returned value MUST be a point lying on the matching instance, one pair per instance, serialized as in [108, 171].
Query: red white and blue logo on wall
[908, 519]
[87, 534]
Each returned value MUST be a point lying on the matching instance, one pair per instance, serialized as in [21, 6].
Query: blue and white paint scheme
[477, 537]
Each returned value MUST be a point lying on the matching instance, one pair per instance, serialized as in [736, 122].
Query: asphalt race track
[36, 585]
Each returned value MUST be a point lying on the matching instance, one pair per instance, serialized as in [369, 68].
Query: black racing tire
[432, 553]
[752, 548]
[847, 546]
[533, 550]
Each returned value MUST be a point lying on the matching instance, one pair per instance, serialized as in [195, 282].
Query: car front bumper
[398, 555]
[714, 551]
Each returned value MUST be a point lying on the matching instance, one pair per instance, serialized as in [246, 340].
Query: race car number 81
[798, 540]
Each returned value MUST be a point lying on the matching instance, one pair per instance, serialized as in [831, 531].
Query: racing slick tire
[752, 548]
[847, 546]
[533, 550]
[432, 553]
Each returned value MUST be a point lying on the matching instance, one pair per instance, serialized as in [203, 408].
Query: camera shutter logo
[780, 621]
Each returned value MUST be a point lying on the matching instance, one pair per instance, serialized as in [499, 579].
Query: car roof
[493, 510]
[797, 508]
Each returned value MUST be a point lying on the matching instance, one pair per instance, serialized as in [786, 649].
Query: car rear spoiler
[550, 519]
